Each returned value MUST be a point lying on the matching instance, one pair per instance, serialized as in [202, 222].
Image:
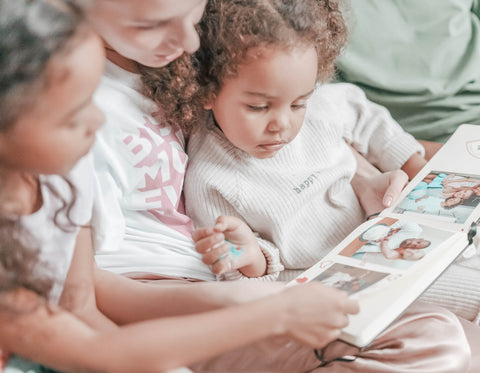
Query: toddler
[270, 167]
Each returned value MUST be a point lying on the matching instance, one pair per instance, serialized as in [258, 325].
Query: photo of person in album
[348, 278]
[394, 243]
[401, 240]
[445, 196]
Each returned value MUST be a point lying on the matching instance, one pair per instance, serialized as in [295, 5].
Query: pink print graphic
[159, 151]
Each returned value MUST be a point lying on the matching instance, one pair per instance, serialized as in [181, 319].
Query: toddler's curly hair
[230, 29]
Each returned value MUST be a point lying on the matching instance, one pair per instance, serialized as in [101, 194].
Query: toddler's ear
[209, 101]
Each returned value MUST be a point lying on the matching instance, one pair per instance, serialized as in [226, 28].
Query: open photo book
[388, 262]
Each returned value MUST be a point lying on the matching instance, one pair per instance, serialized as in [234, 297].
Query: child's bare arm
[119, 297]
[313, 314]
[78, 294]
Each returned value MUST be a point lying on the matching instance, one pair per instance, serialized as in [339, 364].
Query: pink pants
[425, 339]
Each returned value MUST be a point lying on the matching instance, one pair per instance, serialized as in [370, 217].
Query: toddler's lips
[273, 147]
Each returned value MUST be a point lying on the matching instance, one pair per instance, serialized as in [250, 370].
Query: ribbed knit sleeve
[367, 126]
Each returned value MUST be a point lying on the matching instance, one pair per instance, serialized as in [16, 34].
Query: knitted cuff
[274, 267]
[400, 149]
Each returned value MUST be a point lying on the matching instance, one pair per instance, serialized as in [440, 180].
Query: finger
[227, 223]
[351, 306]
[201, 233]
[340, 321]
[209, 243]
[216, 254]
[398, 180]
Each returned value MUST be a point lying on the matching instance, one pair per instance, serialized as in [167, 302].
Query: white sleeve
[370, 128]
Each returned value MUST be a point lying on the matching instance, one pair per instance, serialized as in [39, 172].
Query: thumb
[398, 179]
[226, 223]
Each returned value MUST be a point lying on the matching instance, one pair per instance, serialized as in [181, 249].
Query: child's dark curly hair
[228, 31]
[20, 263]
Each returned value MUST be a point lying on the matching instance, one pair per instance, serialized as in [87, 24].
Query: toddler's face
[151, 32]
[51, 136]
[262, 108]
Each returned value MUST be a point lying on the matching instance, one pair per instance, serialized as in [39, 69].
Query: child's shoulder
[333, 98]
[337, 91]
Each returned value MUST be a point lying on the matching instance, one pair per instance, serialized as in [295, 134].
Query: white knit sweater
[300, 203]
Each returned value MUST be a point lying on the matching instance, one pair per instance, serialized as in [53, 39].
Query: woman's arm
[430, 148]
[414, 164]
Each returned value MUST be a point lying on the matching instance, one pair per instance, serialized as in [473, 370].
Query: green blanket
[420, 59]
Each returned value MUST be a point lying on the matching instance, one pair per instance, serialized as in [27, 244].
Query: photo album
[388, 262]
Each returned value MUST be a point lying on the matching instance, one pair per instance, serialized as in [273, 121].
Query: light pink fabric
[426, 339]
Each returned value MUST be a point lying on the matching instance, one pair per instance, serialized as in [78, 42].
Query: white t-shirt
[141, 224]
[57, 244]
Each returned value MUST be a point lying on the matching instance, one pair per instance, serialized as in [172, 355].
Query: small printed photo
[395, 243]
[445, 196]
[348, 278]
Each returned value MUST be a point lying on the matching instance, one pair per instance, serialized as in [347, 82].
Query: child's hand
[230, 244]
[317, 313]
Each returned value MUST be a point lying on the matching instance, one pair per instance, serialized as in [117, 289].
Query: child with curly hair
[270, 168]
[271, 153]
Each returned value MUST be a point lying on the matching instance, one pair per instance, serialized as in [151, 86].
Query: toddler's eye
[257, 108]
[299, 106]
[73, 124]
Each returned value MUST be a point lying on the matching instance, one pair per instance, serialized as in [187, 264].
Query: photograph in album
[444, 196]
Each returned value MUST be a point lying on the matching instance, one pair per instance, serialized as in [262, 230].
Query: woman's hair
[32, 32]
[230, 29]
[20, 264]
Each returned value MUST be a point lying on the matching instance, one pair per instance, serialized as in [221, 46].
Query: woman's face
[150, 32]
